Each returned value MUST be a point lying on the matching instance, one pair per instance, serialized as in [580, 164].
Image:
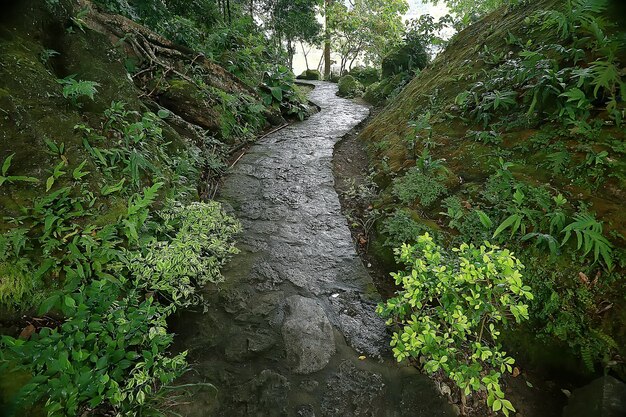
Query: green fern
[586, 354]
[74, 89]
[589, 237]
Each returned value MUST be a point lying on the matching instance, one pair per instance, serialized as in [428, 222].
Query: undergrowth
[112, 247]
[543, 119]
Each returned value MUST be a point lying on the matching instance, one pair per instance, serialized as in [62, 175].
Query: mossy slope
[471, 162]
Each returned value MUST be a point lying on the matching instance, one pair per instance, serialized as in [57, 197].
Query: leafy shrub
[278, 88]
[378, 93]
[401, 228]
[569, 311]
[349, 87]
[450, 310]
[181, 31]
[372, 93]
[365, 75]
[108, 353]
[417, 186]
[110, 349]
[202, 243]
[406, 58]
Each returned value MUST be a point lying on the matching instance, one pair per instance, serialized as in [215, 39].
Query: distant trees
[295, 21]
[364, 29]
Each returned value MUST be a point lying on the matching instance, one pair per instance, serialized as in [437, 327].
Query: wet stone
[308, 335]
[359, 323]
[305, 411]
[263, 396]
[352, 392]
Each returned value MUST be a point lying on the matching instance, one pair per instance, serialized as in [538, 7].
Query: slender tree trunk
[230, 19]
[252, 10]
[290, 52]
[319, 64]
[327, 43]
[305, 53]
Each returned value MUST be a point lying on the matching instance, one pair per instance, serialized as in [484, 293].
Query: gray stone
[306, 410]
[308, 335]
[353, 392]
[604, 397]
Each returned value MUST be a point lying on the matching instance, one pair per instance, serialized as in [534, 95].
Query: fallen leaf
[27, 332]
[362, 357]
[516, 372]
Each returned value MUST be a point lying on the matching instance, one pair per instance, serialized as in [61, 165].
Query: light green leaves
[74, 89]
[450, 311]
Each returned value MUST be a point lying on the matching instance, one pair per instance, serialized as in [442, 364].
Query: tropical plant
[6, 165]
[589, 237]
[416, 186]
[278, 88]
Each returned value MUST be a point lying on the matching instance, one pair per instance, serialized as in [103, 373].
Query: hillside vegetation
[515, 135]
[113, 139]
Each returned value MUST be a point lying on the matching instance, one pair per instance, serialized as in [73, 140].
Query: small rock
[306, 410]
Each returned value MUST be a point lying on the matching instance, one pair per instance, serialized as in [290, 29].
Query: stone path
[284, 333]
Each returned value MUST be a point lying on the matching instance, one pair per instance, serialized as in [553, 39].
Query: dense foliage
[115, 277]
[513, 135]
[450, 310]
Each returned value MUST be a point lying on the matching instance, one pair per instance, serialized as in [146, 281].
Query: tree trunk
[319, 64]
[290, 53]
[327, 43]
[306, 60]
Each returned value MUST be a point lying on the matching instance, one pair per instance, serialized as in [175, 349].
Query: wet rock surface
[307, 335]
[287, 332]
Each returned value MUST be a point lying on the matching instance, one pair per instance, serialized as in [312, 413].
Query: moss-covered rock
[350, 87]
[378, 93]
[310, 74]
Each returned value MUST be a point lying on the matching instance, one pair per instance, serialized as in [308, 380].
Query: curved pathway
[292, 331]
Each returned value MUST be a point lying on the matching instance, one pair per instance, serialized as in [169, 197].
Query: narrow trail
[284, 333]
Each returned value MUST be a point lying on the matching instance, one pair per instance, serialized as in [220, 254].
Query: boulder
[308, 335]
[604, 397]
[310, 75]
